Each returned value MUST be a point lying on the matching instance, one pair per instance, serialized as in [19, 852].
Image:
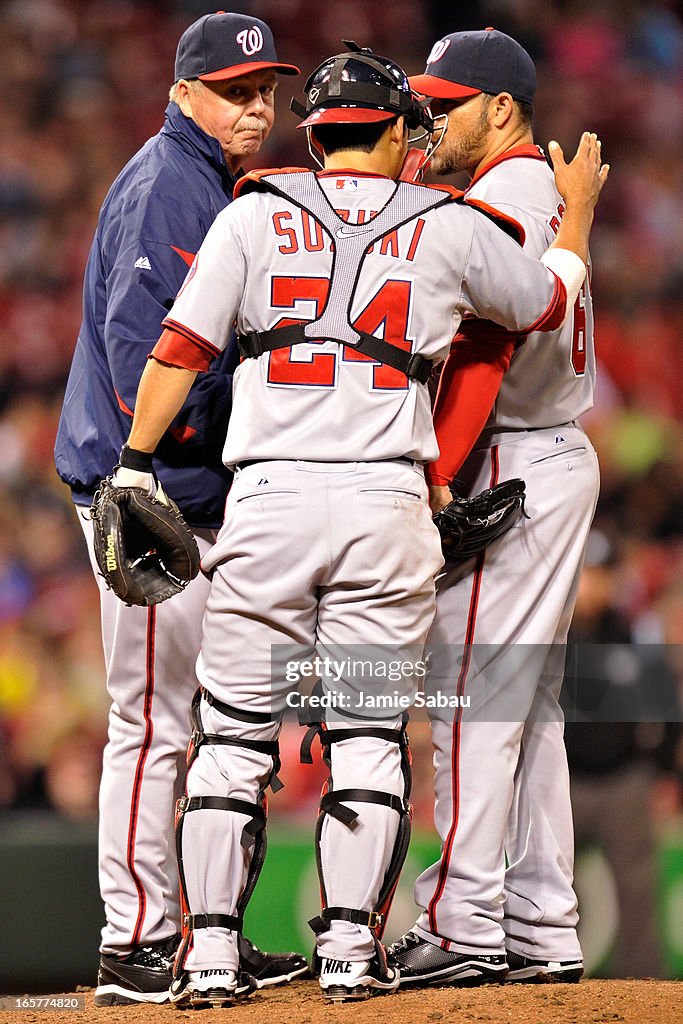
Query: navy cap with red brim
[224, 45]
[465, 64]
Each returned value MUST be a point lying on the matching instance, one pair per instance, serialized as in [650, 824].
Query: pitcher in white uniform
[346, 287]
[500, 900]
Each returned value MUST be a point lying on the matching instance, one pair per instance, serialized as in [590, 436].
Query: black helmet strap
[334, 85]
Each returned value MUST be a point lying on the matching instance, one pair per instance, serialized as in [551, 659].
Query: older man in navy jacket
[151, 224]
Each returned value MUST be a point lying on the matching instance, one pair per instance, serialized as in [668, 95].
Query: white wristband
[570, 269]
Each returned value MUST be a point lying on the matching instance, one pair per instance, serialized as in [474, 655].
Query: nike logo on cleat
[559, 439]
[336, 966]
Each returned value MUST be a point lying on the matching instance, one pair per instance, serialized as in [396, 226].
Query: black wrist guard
[132, 458]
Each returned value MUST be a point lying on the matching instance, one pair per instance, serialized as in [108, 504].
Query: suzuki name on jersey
[301, 232]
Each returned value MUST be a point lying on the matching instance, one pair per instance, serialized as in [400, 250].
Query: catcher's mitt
[143, 546]
[468, 525]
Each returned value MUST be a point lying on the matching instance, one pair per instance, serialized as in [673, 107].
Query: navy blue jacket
[151, 224]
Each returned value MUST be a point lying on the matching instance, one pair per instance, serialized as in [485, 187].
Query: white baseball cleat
[346, 980]
[212, 989]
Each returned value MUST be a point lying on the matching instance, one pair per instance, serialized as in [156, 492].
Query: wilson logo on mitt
[143, 546]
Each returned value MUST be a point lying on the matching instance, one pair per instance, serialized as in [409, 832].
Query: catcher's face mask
[360, 87]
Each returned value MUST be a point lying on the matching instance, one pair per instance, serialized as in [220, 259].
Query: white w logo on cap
[250, 39]
[438, 50]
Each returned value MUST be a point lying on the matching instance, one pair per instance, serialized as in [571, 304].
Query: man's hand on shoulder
[580, 181]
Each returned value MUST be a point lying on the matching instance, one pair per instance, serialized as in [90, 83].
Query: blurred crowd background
[85, 84]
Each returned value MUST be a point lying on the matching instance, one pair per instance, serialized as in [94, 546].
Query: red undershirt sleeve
[480, 354]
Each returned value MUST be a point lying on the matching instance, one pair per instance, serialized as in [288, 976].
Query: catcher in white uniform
[345, 287]
[501, 778]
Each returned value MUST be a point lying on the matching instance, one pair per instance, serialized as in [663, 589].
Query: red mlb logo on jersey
[348, 184]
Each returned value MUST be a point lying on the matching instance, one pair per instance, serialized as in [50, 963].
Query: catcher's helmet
[358, 87]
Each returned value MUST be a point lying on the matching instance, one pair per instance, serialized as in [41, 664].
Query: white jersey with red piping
[266, 262]
[552, 376]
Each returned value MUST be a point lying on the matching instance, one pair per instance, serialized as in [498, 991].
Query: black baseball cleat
[526, 968]
[209, 990]
[423, 963]
[344, 981]
[270, 968]
[141, 976]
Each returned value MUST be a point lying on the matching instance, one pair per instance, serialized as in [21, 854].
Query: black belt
[339, 462]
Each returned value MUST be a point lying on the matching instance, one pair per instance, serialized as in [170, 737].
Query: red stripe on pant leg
[455, 795]
[460, 690]
[139, 772]
[495, 466]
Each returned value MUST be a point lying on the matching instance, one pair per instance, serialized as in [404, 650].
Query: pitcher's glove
[468, 525]
[143, 546]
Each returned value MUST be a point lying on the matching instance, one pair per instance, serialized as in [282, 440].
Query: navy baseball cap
[225, 45]
[467, 63]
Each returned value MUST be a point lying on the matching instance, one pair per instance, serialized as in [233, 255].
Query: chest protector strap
[351, 245]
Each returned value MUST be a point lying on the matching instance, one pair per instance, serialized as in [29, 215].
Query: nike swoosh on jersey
[359, 229]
